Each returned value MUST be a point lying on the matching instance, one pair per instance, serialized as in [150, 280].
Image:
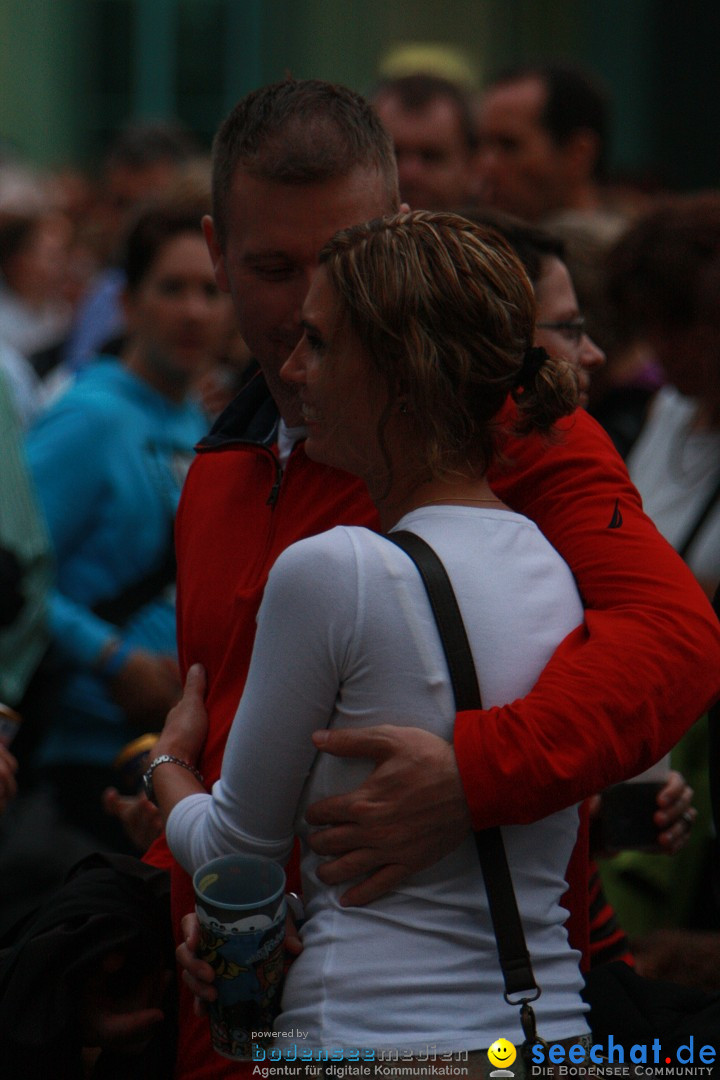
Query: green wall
[72, 70]
[42, 84]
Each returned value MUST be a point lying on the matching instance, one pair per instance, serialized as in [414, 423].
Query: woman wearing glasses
[560, 327]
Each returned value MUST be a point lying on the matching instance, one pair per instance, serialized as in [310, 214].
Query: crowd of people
[221, 384]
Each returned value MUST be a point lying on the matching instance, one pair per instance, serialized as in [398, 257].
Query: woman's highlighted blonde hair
[445, 311]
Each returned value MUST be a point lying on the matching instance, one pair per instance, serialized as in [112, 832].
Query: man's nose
[197, 304]
[301, 283]
[293, 370]
[411, 169]
[486, 166]
[485, 159]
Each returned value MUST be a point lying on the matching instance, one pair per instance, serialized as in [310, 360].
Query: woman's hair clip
[534, 360]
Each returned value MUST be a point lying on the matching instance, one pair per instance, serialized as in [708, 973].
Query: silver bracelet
[166, 759]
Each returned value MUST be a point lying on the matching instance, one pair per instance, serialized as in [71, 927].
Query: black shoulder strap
[447, 615]
[511, 945]
[714, 768]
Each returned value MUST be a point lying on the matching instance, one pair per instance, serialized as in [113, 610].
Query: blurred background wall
[71, 71]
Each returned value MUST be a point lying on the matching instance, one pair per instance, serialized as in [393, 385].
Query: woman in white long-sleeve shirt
[417, 330]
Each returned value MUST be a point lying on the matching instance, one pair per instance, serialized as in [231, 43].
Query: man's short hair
[299, 132]
[575, 100]
[417, 91]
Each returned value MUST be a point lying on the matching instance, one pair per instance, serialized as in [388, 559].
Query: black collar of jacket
[252, 416]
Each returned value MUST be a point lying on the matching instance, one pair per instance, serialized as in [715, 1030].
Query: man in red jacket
[293, 163]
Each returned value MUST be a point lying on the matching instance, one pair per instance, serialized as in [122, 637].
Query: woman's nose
[591, 355]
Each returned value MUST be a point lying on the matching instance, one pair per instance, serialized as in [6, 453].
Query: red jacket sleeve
[622, 689]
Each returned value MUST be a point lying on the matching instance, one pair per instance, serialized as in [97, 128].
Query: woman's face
[559, 327]
[343, 397]
[177, 316]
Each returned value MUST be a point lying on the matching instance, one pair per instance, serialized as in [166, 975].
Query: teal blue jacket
[108, 459]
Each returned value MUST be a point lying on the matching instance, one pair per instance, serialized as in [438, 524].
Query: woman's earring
[404, 410]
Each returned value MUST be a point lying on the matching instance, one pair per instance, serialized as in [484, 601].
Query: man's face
[274, 235]
[520, 169]
[433, 159]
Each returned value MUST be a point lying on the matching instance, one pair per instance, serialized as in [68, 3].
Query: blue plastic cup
[240, 902]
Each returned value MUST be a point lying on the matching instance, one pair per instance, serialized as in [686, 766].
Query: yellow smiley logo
[502, 1053]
